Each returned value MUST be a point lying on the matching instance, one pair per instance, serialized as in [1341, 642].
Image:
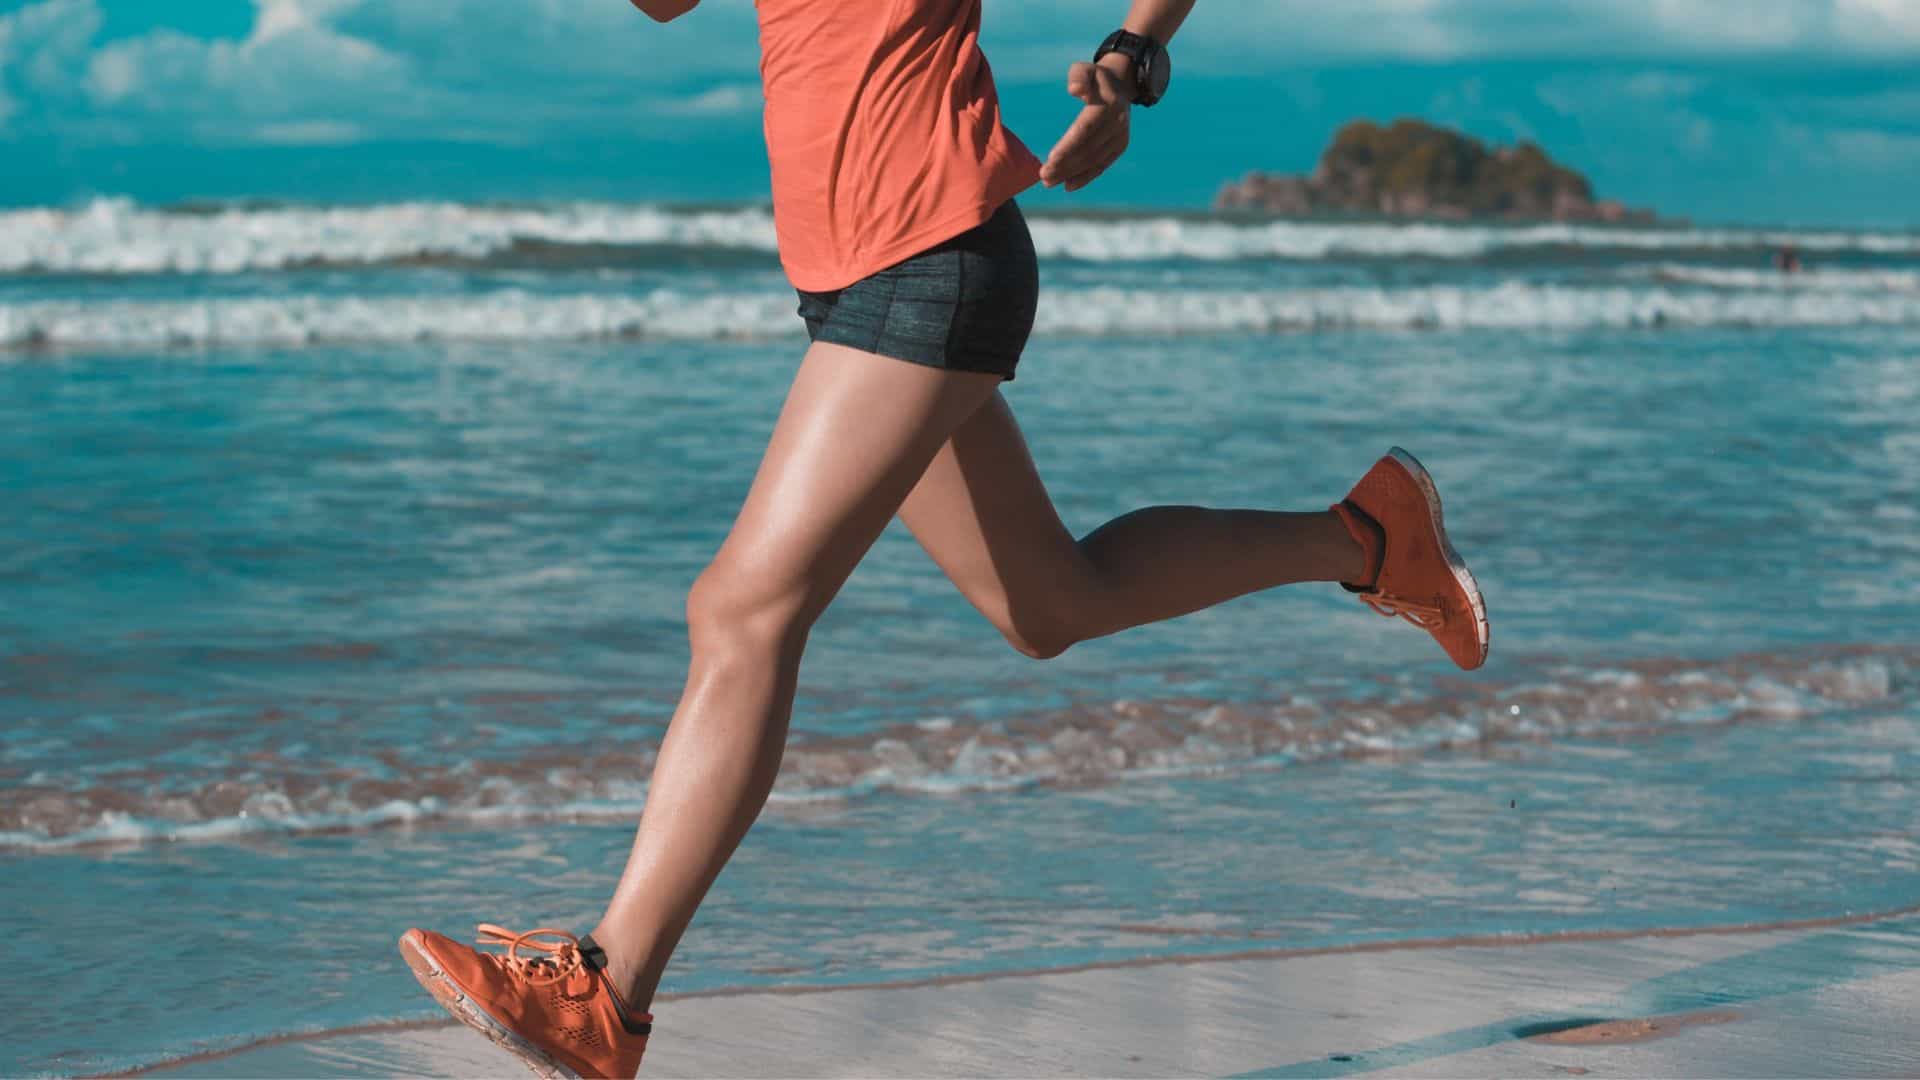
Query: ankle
[625, 970]
[1369, 545]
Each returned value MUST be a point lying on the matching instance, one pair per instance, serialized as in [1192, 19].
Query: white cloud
[292, 68]
[514, 71]
[293, 74]
[338, 71]
[1846, 151]
[40, 46]
[1879, 21]
[721, 100]
[41, 41]
[1879, 150]
[1254, 35]
[1885, 106]
[606, 42]
[1657, 85]
[310, 133]
[279, 17]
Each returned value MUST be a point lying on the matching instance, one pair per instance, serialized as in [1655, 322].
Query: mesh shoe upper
[1421, 579]
[552, 993]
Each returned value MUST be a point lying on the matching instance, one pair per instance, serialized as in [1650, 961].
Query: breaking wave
[1083, 745]
[119, 236]
[515, 315]
[1824, 279]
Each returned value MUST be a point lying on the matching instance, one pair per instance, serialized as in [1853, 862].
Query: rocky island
[1415, 169]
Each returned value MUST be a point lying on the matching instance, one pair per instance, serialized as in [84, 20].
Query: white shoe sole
[464, 1009]
[1455, 563]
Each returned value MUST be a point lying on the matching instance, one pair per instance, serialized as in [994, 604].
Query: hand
[1099, 134]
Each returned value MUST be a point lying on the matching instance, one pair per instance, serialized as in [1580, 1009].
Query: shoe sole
[452, 998]
[1458, 566]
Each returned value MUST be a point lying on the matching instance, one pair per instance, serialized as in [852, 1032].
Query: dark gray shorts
[965, 304]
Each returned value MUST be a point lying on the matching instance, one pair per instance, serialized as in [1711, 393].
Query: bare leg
[853, 438]
[983, 514]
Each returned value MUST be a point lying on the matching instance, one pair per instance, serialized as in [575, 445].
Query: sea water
[344, 552]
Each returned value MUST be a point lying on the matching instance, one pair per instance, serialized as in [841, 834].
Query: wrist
[1140, 62]
[1122, 66]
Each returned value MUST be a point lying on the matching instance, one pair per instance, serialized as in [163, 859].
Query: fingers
[1105, 161]
[1082, 83]
[1096, 137]
[1103, 156]
[1083, 131]
[1086, 143]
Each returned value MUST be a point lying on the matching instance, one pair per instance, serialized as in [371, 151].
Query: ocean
[342, 569]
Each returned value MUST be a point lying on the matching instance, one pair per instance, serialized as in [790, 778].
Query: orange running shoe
[558, 1012]
[1418, 576]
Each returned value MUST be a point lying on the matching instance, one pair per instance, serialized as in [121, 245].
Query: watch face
[1157, 73]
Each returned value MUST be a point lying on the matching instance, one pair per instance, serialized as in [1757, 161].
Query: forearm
[664, 10]
[1157, 19]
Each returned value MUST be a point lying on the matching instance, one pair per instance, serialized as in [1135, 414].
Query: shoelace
[562, 959]
[1424, 616]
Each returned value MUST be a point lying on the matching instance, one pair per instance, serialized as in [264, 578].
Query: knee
[1038, 646]
[732, 612]
[1042, 632]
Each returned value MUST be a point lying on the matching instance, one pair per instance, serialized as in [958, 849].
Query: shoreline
[1479, 942]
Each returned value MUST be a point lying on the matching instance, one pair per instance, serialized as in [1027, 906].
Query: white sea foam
[514, 315]
[118, 236]
[506, 316]
[1159, 238]
[1505, 306]
[1084, 745]
[1827, 279]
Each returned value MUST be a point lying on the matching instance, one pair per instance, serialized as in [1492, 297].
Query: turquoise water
[339, 596]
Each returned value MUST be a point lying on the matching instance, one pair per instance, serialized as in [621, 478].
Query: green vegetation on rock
[1413, 168]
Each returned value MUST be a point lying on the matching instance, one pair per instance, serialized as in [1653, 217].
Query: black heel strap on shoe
[595, 958]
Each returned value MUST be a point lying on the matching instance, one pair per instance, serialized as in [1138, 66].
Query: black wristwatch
[1150, 68]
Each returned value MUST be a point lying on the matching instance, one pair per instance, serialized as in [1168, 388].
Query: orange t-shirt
[883, 132]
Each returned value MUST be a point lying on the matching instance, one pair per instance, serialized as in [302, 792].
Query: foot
[1415, 574]
[556, 1012]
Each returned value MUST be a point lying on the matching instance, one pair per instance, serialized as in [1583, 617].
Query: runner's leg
[854, 436]
[984, 516]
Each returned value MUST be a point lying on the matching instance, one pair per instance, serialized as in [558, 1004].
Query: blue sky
[1787, 111]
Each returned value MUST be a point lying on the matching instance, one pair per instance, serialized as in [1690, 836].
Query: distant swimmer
[1787, 259]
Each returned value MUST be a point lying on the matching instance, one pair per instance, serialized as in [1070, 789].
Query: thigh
[984, 516]
[854, 434]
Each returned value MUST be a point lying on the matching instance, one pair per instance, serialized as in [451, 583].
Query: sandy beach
[1834, 997]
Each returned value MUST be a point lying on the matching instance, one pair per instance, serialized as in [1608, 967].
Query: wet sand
[1822, 997]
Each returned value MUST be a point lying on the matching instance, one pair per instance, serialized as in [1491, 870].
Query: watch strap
[1141, 49]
